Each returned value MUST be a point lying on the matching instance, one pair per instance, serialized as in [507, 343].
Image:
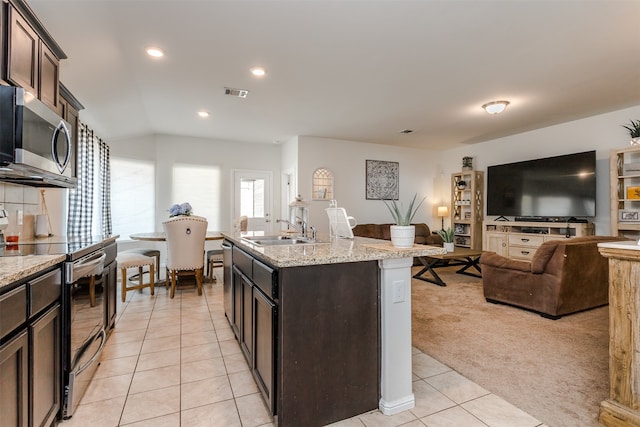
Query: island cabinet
[30, 350]
[310, 335]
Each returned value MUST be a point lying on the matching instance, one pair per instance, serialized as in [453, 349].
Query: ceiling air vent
[240, 93]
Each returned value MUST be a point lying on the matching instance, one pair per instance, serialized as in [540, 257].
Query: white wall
[602, 133]
[424, 172]
[166, 150]
[347, 159]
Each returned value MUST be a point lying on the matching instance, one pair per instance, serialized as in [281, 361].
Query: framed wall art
[633, 193]
[382, 180]
[629, 215]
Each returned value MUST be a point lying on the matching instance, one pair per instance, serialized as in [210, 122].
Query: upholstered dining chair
[185, 248]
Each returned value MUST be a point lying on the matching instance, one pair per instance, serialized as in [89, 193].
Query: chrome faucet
[302, 228]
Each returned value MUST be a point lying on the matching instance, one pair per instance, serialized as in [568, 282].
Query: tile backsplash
[25, 199]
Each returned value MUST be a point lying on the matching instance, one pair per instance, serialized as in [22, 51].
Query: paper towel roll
[42, 226]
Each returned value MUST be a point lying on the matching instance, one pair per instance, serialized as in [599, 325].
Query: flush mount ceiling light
[155, 52]
[495, 107]
[258, 71]
[203, 113]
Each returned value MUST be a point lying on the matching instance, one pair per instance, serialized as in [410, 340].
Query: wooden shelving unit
[467, 207]
[625, 192]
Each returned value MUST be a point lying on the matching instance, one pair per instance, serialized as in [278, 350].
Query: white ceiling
[352, 70]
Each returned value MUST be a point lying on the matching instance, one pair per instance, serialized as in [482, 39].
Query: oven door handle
[90, 266]
[103, 336]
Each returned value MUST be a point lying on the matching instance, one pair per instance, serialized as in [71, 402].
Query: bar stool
[148, 252]
[214, 259]
[128, 260]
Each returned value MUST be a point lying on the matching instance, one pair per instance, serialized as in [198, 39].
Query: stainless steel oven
[84, 303]
[83, 309]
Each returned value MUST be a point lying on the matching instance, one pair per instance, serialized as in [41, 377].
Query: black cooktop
[74, 247]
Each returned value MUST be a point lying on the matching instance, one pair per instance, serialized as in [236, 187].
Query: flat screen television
[552, 187]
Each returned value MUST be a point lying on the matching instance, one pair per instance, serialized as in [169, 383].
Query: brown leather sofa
[382, 231]
[564, 276]
[424, 236]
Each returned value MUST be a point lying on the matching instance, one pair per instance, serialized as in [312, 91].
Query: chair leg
[151, 279]
[173, 283]
[199, 280]
[124, 284]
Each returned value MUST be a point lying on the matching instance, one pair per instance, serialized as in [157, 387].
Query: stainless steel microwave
[35, 143]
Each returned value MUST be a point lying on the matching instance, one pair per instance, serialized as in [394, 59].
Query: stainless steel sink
[278, 240]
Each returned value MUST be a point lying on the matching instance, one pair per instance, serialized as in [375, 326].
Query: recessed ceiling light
[258, 71]
[203, 113]
[155, 52]
[495, 107]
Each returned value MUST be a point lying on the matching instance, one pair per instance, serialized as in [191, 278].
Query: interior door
[252, 198]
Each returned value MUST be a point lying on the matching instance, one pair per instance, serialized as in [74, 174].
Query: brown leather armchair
[564, 276]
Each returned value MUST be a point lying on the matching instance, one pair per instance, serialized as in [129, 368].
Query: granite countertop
[327, 251]
[14, 268]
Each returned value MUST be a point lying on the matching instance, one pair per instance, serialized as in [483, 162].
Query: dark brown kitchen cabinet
[22, 52]
[264, 321]
[254, 319]
[14, 381]
[30, 350]
[246, 331]
[49, 82]
[46, 347]
[32, 56]
[315, 340]
[70, 111]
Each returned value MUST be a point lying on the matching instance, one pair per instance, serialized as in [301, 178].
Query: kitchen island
[325, 327]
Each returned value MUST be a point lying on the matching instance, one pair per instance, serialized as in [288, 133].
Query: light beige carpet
[555, 370]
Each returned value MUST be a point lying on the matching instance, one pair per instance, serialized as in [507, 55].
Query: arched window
[322, 183]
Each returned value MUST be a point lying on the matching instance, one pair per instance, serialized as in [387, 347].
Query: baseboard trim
[400, 405]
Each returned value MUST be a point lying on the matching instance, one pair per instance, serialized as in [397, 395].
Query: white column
[395, 381]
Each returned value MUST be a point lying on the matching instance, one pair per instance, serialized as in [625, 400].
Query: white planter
[634, 141]
[402, 236]
[448, 246]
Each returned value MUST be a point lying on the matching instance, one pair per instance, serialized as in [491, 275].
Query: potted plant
[634, 131]
[462, 184]
[447, 236]
[403, 233]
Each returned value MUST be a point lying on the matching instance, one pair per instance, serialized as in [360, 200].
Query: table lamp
[442, 212]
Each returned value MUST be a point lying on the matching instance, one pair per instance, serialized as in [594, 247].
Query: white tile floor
[173, 363]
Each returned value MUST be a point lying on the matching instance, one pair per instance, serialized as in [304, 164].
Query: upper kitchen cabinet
[70, 111]
[32, 56]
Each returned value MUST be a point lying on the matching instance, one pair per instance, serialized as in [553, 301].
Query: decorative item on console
[182, 209]
[447, 235]
[467, 163]
[634, 132]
